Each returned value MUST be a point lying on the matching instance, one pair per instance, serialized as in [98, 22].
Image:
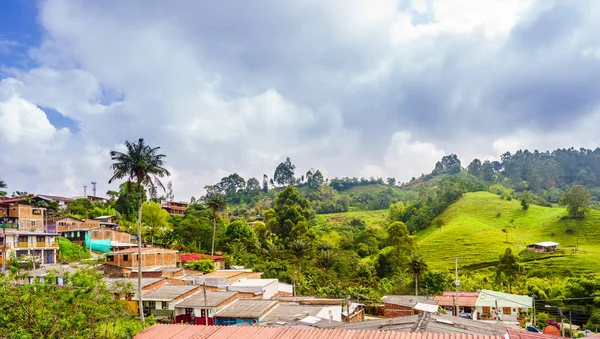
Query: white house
[268, 288]
[499, 306]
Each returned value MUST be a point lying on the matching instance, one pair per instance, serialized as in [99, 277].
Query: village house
[220, 279]
[25, 234]
[175, 208]
[244, 311]
[263, 288]
[404, 305]
[218, 260]
[121, 263]
[61, 201]
[201, 305]
[466, 302]
[543, 247]
[505, 307]
[160, 302]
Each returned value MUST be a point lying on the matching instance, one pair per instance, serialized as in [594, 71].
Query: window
[486, 309]
[110, 258]
[228, 321]
[95, 233]
[107, 233]
[126, 257]
[165, 305]
[32, 223]
[505, 310]
[40, 239]
[152, 304]
[189, 311]
[78, 234]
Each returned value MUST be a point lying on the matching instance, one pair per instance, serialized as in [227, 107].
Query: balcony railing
[37, 244]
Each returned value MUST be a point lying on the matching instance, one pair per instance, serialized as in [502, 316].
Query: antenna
[85, 191]
[94, 188]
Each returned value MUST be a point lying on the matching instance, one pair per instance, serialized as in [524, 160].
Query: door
[49, 257]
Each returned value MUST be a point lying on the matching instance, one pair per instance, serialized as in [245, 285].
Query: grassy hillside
[336, 221]
[480, 226]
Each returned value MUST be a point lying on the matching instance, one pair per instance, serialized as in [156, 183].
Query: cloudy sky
[351, 87]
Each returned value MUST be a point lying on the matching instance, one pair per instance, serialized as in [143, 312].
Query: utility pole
[570, 326]
[4, 246]
[562, 322]
[94, 188]
[205, 304]
[457, 283]
[533, 318]
[85, 191]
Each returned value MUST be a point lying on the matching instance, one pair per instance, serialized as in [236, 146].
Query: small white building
[543, 247]
[499, 306]
[268, 288]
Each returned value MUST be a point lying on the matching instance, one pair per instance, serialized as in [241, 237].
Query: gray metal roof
[168, 292]
[430, 323]
[293, 312]
[213, 299]
[247, 308]
[116, 284]
[407, 300]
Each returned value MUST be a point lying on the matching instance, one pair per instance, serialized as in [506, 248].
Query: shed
[543, 247]
[248, 311]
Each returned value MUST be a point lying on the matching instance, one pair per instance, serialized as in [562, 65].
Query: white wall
[268, 291]
[336, 311]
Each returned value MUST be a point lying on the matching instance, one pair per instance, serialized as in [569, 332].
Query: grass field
[480, 226]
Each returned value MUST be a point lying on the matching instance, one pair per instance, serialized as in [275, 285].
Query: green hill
[481, 225]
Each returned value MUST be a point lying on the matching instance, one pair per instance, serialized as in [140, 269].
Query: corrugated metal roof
[521, 334]
[116, 284]
[163, 331]
[246, 308]
[465, 299]
[168, 292]
[291, 311]
[407, 300]
[213, 299]
[490, 298]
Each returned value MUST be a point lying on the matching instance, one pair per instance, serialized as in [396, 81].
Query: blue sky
[353, 88]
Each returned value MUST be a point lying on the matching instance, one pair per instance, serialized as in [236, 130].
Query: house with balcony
[28, 235]
[175, 208]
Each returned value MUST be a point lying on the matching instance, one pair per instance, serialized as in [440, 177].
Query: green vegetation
[70, 251]
[481, 225]
[80, 309]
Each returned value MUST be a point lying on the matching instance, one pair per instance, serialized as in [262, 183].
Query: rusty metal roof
[465, 299]
[163, 331]
[521, 334]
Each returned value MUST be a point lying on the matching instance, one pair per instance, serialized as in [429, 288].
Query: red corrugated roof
[521, 334]
[465, 299]
[8, 201]
[163, 331]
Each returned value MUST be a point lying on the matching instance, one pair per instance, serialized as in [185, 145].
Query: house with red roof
[218, 260]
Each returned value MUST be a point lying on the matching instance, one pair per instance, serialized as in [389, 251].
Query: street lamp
[562, 318]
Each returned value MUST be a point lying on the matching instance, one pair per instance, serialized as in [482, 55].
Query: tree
[253, 186]
[215, 203]
[525, 199]
[284, 173]
[391, 182]
[155, 217]
[300, 248]
[475, 168]
[195, 226]
[143, 165]
[127, 201]
[239, 231]
[2, 185]
[203, 265]
[436, 282]
[170, 195]
[326, 259]
[509, 269]
[81, 308]
[417, 266]
[80, 207]
[577, 199]
[290, 209]
[403, 245]
[265, 183]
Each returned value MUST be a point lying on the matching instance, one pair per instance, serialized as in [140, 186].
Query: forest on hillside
[272, 226]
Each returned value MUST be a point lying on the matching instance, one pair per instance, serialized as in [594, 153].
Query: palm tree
[300, 248]
[215, 203]
[417, 267]
[143, 165]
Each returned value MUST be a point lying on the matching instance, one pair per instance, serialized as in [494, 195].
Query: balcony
[37, 244]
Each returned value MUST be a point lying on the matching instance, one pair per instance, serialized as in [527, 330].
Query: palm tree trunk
[212, 250]
[139, 234]
[416, 285]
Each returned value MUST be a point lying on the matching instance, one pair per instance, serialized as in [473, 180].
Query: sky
[378, 88]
